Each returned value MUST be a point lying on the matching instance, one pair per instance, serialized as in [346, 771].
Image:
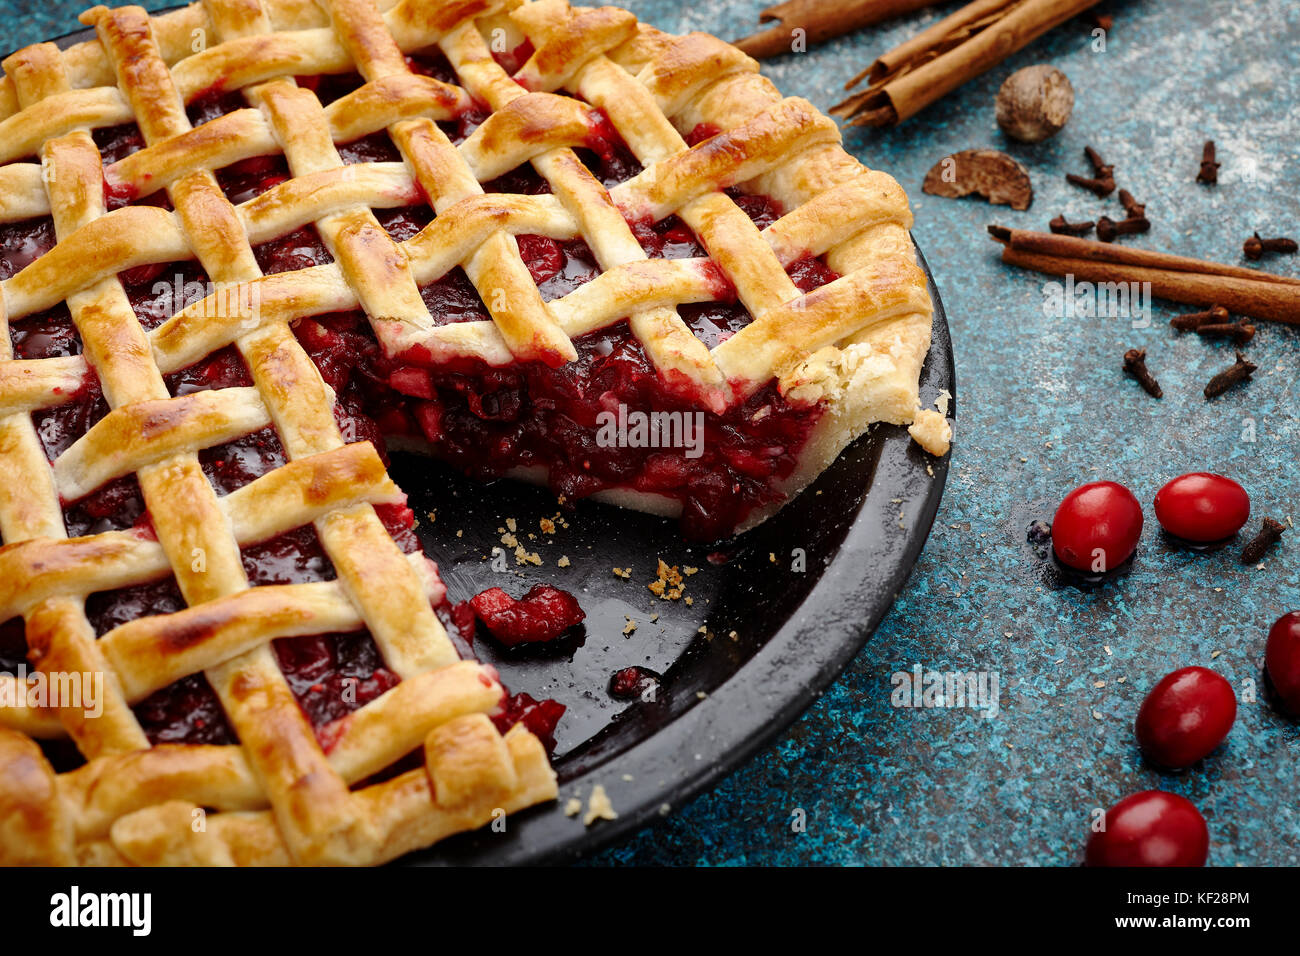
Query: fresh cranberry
[1186, 715]
[1152, 828]
[1282, 661]
[1097, 527]
[541, 615]
[1202, 507]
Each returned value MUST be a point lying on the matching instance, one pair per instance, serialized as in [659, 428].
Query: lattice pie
[244, 246]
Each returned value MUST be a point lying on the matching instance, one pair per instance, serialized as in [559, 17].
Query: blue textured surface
[1043, 408]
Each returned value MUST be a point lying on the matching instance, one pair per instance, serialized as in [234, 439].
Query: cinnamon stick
[958, 48]
[1072, 246]
[1175, 278]
[820, 20]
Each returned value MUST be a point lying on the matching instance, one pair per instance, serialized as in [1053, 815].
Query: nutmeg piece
[1034, 103]
[987, 172]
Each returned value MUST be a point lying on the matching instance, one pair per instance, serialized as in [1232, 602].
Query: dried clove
[1135, 364]
[1240, 331]
[1255, 247]
[1239, 371]
[1258, 546]
[1191, 321]
[1108, 229]
[1132, 208]
[1102, 181]
[1060, 226]
[1209, 174]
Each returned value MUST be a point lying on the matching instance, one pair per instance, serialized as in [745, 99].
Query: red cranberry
[1097, 527]
[1185, 716]
[1282, 661]
[1202, 507]
[1152, 828]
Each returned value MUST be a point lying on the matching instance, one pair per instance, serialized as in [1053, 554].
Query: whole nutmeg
[1034, 103]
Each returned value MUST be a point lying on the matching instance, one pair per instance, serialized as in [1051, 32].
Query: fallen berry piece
[539, 717]
[1282, 661]
[1097, 527]
[1151, 828]
[1186, 715]
[541, 615]
[630, 682]
[1202, 507]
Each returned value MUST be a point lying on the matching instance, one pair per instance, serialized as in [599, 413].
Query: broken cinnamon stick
[958, 48]
[820, 20]
[1175, 278]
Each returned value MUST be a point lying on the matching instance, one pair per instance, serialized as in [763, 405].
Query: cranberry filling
[540, 616]
[117, 142]
[332, 675]
[631, 682]
[22, 243]
[235, 464]
[186, 712]
[484, 420]
[292, 558]
[118, 506]
[13, 645]
[539, 716]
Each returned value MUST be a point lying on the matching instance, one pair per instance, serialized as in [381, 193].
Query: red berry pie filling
[487, 421]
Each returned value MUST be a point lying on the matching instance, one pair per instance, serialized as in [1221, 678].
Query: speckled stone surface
[1043, 408]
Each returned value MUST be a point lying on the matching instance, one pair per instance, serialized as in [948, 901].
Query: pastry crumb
[931, 431]
[512, 525]
[667, 586]
[630, 626]
[563, 562]
[573, 807]
[547, 526]
[599, 806]
[623, 573]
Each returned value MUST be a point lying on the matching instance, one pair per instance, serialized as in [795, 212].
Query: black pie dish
[794, 632]
[719, 699]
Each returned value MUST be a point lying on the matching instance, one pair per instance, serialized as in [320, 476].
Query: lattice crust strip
[280, 796]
